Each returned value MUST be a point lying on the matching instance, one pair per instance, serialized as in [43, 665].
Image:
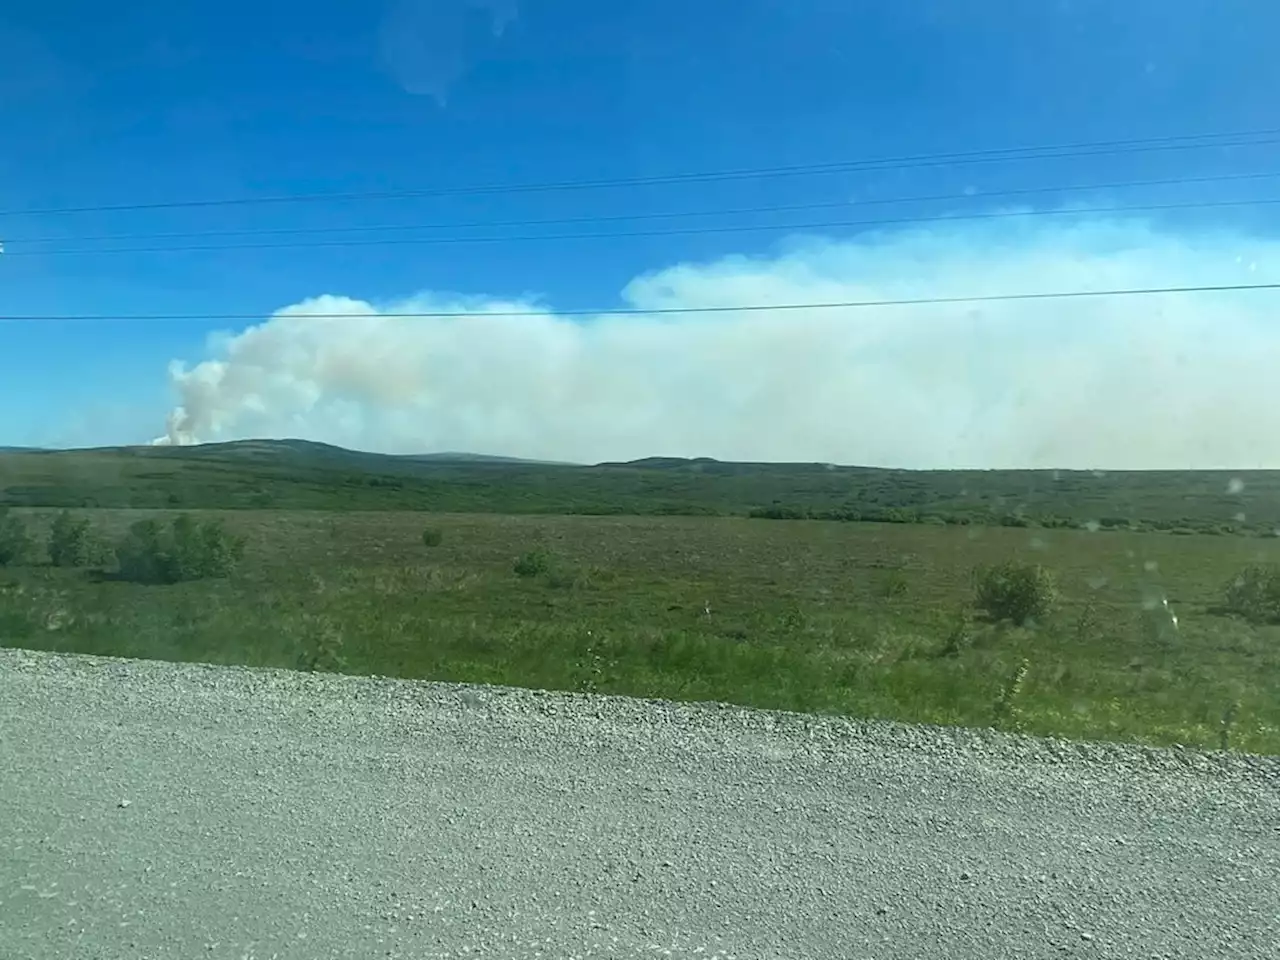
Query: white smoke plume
[1162, 381]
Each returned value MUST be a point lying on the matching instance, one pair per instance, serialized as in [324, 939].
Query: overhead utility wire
[1046, 152]
[618, 235]
[662, 311]
[652, 215]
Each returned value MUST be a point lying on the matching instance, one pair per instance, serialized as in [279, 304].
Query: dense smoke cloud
[1171, 381]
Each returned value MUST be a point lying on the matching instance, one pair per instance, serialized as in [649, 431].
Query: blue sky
[152, 103]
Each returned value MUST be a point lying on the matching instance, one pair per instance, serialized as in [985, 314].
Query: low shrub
[959, 637]
[893, 585]
[1018, 592]
[1254, 594]
[322, 648]
[533, 564]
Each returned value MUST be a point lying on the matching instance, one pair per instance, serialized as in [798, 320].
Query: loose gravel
[154, 810]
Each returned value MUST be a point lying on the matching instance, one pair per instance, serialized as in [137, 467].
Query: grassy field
[290, 475]
[865, 619]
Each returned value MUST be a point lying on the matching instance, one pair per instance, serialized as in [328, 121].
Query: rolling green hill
[292, 474]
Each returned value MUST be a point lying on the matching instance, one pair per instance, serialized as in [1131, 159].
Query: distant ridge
[708, 465]
[293, 474]
[260, 448]
[457, 457]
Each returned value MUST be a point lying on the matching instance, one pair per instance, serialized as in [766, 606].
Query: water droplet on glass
[1235, 486]
[1160, 621]
[1151, 566]
[1240, 517]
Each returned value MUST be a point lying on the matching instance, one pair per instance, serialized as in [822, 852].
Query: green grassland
[292, 475]
[866, 619]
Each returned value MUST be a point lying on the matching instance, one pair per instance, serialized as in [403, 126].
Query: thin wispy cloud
[1174, 381]
[428, 45]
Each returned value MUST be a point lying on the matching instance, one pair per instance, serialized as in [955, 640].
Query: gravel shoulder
[155, 810]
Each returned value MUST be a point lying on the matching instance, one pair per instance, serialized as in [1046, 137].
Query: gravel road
[152, 810]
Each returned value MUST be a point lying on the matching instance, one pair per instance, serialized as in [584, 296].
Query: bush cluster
[533, 564]
[70, 542]
[1254, 594]
[15, 542]
[1018, 592]
[185, 550]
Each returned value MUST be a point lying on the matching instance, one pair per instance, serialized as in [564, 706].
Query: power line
[673, 232]
[1043, 152]
[649, 215]
[656, 311]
